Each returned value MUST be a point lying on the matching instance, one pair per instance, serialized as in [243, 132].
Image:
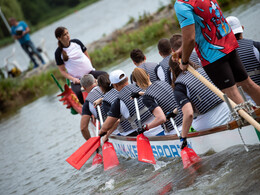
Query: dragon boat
[215, 139]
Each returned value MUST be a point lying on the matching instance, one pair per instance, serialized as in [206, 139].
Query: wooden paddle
[188, 155]
[144, 150]
[219, 93]
[110, 159]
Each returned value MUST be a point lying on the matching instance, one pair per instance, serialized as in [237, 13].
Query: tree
[10, 8]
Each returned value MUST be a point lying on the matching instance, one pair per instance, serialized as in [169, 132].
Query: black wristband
[184, 63]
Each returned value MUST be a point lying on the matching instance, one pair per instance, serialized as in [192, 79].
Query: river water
[36, 141]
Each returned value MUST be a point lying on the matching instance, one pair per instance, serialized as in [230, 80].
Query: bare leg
[233, 94]
[252, 89]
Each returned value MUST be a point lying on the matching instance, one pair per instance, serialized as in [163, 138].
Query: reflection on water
[36, 141]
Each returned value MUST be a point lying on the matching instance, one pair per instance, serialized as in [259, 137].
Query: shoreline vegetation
[109, 50]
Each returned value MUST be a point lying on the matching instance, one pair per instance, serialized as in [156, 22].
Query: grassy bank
[125, 42]
[17, 92]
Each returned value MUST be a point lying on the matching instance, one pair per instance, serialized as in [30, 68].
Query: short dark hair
[164, 46]
[176, 41]
[137, 55]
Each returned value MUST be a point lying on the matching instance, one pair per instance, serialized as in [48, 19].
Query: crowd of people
[222, 56]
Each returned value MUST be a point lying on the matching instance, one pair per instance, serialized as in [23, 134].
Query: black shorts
[226, 71]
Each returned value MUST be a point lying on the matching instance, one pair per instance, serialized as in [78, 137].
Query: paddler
[204, 27]
[123, 108]
[89, 83]
[159, 99]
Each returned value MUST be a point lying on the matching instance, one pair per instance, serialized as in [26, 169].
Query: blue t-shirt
[17, 30]
[214, 38]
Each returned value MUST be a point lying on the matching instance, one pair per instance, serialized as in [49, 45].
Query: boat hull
[201, 142]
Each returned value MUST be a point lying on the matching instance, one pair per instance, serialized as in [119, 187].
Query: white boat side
[216, 139]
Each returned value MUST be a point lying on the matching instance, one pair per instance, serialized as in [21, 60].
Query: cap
[235, 24]
[116, 76]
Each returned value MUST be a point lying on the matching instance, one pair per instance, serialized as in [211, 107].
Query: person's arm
[84, 126]
[186, 19]
[154, 108]
[86, 53]
[187, 119]
[64, 73]
[108, 124]
[98, 102]
[112, 116]
[180, 94]
[159, 118]
[188, 43]
[109, 132]
[85, 118]
[27, 30]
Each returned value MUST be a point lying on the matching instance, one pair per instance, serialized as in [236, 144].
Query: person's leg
[233, 94]
[241, 78]
[96, 73]
[221, 75]
[76, 88]
[252, 89]
[34, 50]
[26, 47]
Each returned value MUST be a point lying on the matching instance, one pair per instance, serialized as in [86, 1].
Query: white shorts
[217, 116]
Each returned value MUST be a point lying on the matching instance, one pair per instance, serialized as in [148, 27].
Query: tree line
[34, 12]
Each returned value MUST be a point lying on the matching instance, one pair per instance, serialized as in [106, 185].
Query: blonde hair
[141, 78]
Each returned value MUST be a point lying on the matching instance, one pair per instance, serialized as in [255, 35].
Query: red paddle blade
[144, 150]
[81, 155]
[97, 159]
[110, 159]
[189, 157]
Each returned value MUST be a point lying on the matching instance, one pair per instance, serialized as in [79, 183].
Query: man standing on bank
[20, 31]
[204, 26]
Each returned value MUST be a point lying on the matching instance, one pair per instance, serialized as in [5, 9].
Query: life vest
[163, 95]
[200, 96]
[247, 56]
[149, 68]
[111, 96]
[93, 95]
[125, 96]
[166, 69]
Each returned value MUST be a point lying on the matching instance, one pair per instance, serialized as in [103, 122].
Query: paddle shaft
[137, 113]
[175, 127]
[220, 94]
[100, 115]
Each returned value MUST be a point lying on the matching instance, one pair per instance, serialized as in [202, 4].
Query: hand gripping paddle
[188, 155]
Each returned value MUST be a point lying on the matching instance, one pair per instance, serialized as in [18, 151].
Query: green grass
[15, 92]
[126, 42]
